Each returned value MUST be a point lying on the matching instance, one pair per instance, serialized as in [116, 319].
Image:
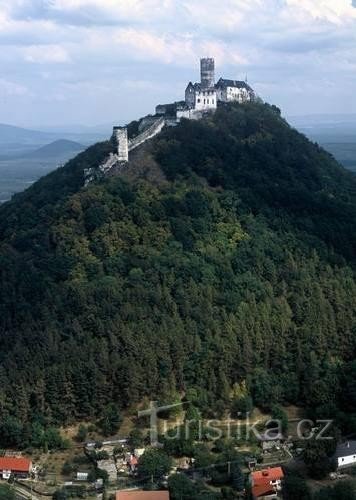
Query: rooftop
[223, 83]
[15, 464]
[264, 476]
[142, 495]
[346, 449]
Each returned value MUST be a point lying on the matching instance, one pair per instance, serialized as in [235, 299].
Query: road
[24, 494]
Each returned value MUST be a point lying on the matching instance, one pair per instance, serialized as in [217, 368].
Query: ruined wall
[123, 147]
[153, 130]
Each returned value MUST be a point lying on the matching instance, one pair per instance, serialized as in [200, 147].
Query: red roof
[262, 490]
[15, 464]
[133, 460]
[261, 481]
[264, 476]
[142, 495]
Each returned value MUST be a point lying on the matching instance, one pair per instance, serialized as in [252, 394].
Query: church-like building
[204, 96]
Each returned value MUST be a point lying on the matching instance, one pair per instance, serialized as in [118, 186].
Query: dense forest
[240, 267]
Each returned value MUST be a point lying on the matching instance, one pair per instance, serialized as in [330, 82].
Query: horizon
[94, 62]
[99, 127]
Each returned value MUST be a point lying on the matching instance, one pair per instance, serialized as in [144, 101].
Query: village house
[142, 495]
[345, 454]
[14, 466]
[270, 440]
[267, 483]
[132, 463]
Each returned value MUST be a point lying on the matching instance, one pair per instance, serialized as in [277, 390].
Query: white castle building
[205, 95]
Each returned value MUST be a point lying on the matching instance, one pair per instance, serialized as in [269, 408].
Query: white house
[345, 454]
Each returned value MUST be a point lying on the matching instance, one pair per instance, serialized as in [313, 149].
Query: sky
[109, 61]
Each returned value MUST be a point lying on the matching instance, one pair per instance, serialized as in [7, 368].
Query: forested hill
[239, 267]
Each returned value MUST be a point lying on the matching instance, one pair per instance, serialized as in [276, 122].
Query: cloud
[12, 89]
[44, 54]
[336, 12]
[71, 50]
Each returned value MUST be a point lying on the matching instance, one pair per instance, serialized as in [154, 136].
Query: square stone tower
[207, 72]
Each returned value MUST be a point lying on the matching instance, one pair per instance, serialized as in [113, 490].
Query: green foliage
[344, 490]
[180, 487]
[67, 468]
[102, 455]
[281, 417]
[136, 438]
[110, 421]
[154, 463]
[296, 488]
[6, 493]
[82, 433]
[239, 270]
[241, 407]
[180, 446]
[13, 433]
[317, 457]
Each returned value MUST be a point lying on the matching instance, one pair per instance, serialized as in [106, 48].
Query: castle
[205, 95]
[200, 98]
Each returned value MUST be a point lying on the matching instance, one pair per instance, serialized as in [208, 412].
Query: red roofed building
[19, 467]
[133, 463]
[142, 495]
[267, 483]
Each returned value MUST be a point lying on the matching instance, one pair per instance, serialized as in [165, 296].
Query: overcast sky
[99, 61]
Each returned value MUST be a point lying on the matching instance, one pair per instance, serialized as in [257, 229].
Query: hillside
[59, 148]
[239, 264]
[11, 134]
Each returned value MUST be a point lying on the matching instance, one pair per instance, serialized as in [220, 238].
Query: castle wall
[153, 130]
[120, 134]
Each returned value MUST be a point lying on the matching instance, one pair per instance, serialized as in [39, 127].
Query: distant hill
[345, 153]
[56, 149]
[15, 141]
[10, 134]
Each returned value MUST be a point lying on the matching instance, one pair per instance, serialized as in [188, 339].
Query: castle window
[204, 101]
[198, 100]
[213, 102]
[207, 101]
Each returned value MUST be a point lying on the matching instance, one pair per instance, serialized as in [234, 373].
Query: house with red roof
[267, 483]
[18, 467]
[142, 495]
[132, 463]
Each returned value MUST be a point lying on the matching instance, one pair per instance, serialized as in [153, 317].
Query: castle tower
[207, 72]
